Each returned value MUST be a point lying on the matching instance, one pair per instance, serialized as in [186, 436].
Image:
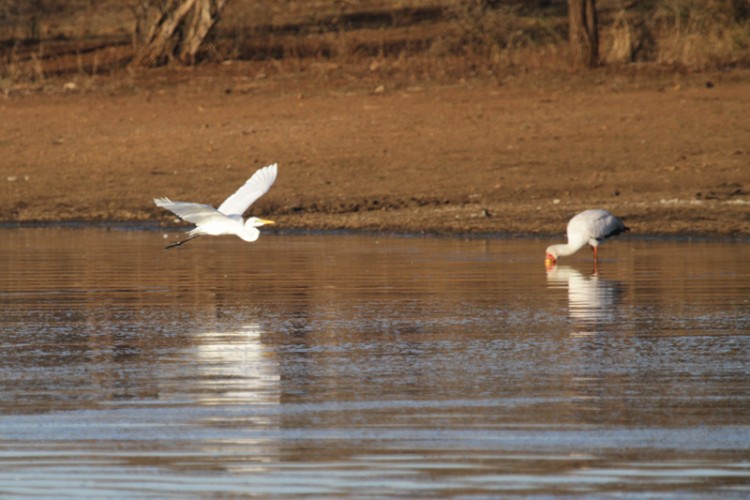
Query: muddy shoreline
[445, 158]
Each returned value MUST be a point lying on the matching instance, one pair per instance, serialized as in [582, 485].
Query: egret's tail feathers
[162, 202]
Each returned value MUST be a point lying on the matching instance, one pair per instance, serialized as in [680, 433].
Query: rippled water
[370, 366]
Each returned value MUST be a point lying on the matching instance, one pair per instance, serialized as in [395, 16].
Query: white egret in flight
[227, 219]
[590, 227]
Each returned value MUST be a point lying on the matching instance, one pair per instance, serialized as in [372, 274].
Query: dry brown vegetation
[42, 39]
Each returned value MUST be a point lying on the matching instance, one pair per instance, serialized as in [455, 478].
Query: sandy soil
[380, 155]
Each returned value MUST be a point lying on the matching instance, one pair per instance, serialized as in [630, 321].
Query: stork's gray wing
[605, 226]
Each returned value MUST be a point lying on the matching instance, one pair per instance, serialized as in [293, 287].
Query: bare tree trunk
[37, 10]
[204, 18]
[584, 34]
[178, 32]
[139, 8]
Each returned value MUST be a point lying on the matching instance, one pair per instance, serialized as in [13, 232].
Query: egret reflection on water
[236, 367]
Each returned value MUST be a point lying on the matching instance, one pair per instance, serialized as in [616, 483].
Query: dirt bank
[448, 157]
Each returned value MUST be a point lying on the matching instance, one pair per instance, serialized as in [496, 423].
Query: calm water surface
[350, 365]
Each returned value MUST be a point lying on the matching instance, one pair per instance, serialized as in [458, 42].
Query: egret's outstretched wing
[197, 213]
[253, 189]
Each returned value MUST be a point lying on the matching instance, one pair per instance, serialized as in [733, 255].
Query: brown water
[350, 365]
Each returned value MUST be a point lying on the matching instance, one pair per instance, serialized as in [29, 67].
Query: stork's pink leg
[596, 260]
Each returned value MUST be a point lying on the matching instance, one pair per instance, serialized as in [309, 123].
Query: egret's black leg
[178, 243]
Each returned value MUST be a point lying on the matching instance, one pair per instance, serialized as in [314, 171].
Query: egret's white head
[257, 222]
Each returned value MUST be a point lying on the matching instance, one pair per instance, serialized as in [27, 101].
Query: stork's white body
[590, 227]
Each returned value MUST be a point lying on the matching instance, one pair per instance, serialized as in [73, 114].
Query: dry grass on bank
[410, 40]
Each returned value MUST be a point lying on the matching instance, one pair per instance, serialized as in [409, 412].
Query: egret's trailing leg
[178, 243]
